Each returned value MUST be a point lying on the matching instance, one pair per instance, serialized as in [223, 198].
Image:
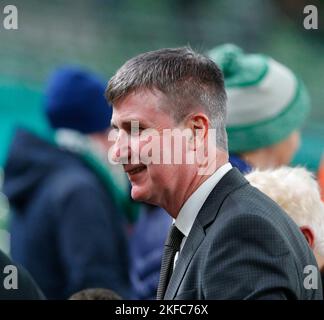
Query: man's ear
[309, 235]
[198, 123]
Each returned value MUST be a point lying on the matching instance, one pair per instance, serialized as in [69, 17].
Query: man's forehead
[146, 97]
[142, 106]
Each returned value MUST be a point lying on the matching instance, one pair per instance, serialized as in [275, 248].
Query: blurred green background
[102, 34]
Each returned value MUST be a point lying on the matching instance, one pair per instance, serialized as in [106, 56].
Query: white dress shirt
[192, 206]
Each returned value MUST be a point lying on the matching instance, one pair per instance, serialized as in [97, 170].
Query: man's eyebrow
[127, 124]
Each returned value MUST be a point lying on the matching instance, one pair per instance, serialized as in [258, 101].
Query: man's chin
[138, 194]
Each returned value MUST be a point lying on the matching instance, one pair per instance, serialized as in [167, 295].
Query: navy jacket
[146, 245]
[26, 287]
[65, 229]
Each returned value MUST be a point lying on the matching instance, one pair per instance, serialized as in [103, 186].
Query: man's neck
[173, 207]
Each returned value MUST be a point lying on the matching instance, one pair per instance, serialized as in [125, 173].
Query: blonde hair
[296, 191]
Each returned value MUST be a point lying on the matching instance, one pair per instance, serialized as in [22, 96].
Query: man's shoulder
[250, 203]
[235, 203]
[250, 218]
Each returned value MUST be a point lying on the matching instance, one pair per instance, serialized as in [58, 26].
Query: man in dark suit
[228, 240]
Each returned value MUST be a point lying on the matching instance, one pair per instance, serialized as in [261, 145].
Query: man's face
[150, 182]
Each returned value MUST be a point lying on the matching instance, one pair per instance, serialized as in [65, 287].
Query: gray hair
[187, 79]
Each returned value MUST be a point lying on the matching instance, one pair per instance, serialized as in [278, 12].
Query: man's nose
[122, 150]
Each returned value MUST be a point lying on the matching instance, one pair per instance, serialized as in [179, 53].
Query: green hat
[266, 101]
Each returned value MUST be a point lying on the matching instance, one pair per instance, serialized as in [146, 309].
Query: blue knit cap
[74, 99]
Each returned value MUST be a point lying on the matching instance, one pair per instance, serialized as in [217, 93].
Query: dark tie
[171, 247]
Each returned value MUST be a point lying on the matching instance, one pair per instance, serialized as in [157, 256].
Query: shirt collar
[192, 206]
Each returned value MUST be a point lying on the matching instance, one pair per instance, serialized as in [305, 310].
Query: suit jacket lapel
[207, 214]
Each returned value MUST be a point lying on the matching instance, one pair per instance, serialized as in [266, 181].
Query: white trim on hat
[248, 105]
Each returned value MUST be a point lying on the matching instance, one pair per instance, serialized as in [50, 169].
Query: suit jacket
[242, 246]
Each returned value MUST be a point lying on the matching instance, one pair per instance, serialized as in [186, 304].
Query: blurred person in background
[69, 209]
[297, 193]
[146, 245]
[22, 286]
[4, 217]
[95, 294]
[267, 106]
